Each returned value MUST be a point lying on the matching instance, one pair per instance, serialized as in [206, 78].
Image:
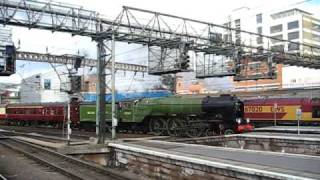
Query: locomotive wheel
[209, 132]
[194, 132]
[173, 127]
[193, 128]
[157, 126]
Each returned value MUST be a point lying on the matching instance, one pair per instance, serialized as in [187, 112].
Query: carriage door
[126, 111]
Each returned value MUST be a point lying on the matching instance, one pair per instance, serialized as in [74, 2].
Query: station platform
[290, 129]
[283, 135]
[241, 163]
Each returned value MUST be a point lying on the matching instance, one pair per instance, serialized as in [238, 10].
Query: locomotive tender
[175, 115]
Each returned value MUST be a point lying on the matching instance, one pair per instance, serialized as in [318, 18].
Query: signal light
[77, 62]
[184, 60]
[75, 83]
[185, 64]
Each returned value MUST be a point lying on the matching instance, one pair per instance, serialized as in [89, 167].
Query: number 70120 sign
[257, 109]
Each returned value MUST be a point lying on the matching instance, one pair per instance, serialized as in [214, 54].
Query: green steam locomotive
[175, 116]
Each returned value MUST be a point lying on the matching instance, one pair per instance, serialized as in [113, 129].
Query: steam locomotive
[175, 116]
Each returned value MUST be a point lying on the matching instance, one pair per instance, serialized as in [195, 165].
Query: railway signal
[75, 83]
[8, 63]
[184, 57]
[77, 63]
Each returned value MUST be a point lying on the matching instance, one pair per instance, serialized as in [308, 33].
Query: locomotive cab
[316, 108]
[316, 112]
[243, 124]
[229, 111]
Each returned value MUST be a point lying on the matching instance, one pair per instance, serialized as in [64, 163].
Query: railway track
[48, 131]
[76, 134]
[66, 165]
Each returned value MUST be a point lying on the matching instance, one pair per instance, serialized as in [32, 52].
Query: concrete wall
[30, 88]
[149, 166]
[152, 163]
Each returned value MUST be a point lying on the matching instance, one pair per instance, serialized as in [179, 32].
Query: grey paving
[298, 164]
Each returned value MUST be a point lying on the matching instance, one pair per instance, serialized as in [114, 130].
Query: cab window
[316, 112]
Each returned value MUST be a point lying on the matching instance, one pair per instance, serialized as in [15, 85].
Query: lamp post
[298, 114]
[275, 107]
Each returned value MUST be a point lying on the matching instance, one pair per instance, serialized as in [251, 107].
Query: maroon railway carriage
[42, 113]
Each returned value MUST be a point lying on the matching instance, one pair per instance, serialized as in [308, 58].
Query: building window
[86, 86]
[277, 39]
[259, 30]
[259, 40]
[293, 35]
[259, 18]
[237, 22]
[255, 66]
[227, 34]
[47, 84]
[275, 29]
[315, 50]
[316, 27]
[237, 33]
[277, 48]
[293, 25]
[316, 37]
[293, 46]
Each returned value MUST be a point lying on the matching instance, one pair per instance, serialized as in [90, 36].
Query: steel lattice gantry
[166, 35]
[70, 59]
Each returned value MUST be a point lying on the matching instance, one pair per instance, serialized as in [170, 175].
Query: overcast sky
[60, 43]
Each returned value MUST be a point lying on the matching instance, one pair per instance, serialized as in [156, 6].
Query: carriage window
[52, 112]
[28, 111]
[316, 112]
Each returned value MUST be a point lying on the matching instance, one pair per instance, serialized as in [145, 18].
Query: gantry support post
[113, 103]
[101, 91]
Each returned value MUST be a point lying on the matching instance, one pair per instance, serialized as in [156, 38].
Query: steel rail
[53, 159]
